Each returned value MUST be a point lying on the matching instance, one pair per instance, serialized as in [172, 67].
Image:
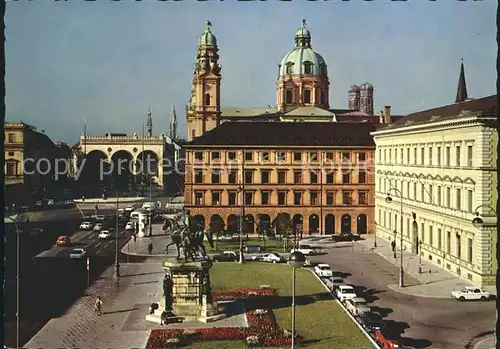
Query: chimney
[387, 114]
[381, 117]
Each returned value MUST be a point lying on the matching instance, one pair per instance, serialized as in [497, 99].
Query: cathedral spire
[462, 87]
[149, 122]
[173, 123]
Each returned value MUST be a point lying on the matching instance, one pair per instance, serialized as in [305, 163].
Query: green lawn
[319, 319]
[270, 245]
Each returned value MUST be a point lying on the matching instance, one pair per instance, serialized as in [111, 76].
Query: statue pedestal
[189, 299]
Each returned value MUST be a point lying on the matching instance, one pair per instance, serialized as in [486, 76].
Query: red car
[62, 241]
[386, 338]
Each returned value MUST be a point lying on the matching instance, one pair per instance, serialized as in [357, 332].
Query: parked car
[345, 292]
[85, 225]
[98, 227]
[104, 234]
[469, 293]
[357, 306]
[345, 237]
[372, 321]
[226, 256]
[323, 270]
[336, 281]
[77, 253]
[129, 226]
[387, 337]
[63, 241]
[305, 249]
[268, 257]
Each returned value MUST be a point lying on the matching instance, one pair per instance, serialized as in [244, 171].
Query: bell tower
[203, 111]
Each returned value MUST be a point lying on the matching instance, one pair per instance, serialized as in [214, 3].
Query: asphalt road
[422, 322]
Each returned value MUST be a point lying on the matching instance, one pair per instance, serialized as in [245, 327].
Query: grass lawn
[319, 319]
[271, 245]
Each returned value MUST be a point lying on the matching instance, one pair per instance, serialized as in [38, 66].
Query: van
[345, 292]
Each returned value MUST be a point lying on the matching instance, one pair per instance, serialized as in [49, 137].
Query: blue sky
[106, 61]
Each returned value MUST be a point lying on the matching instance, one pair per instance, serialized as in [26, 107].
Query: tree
[216, 228]
[283, 224]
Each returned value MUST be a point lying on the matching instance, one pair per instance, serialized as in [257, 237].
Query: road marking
[97, 245]
[99, 251]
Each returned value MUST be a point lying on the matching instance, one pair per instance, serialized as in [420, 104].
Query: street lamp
[296, 260]
[419, 256]
[17, 281]
[388, 199]
[375, 235]
[242, 217]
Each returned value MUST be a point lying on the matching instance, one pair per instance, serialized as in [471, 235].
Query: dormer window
[289, 68]
[308, 67]
[307, 96]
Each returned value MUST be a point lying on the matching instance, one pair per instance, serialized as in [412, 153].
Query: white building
[443, 163]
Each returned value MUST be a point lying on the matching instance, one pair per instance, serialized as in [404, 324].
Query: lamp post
[389, 199]
[296, 260]
[240, 189]
[150, 208]
[17, 281]
[375, 235]
[419, 256]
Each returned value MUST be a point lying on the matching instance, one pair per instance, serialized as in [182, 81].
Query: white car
[305, 250]
[268, 257]
[323, 270]
[469, 293]
[105, 234]
[86, 225]
[129, 226]
[77, 253]
[357, 306]
[345, 292]
[98, 227]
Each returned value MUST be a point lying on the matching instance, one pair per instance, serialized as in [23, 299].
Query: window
[431, 198]
[330, 156]
[329, 178]
[430, 155]
[307, 96]
[297, 156]
[248, 156]
[439, 237]
[11, 169]
[469, 156]
[408, 156]
[414, 156]
[459, 200]
[289, 68]
[457, 153]
[297, 177]
[346, 156]
[308, 68]
[282, 198]
[469, 250]
[362, 157]
[414, 191]
[193, 134]
[321, 96]
[198, 198]
[198, 156]
[401, 156]
[346, 178]
[289, 93]
[264, 176]
[281, 156]
[346, 197]
[469, 200]
[390, 220]
[408, 226]
[313, 156]
[390, 156]
[297, 198]
[385, 155]
[249, 198]
[330, 198]
[249, 176]
[215, 198]
[459, 246]
[422, 192]
[12, 138]
[362, 198]
[431, 237]
[264, 198]
[281, 177]
[215, 156]
[265, 156]
[448, 242]
[438, 150]
[313, 175]
[215, 176]
[439, 196]
[231, 198]
[361, 177]
[207, 99]
[422, 233]
[198, 176]
[231, 156]
[448, 197]
[447, 156]
[395, 156]
[408, 190]
[314, 198]
[422, 152]
[11, 153]
[232, 177]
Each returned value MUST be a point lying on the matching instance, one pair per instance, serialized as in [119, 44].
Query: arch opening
[330, 224]
[313, 224]
[345, 224]
[361, 224]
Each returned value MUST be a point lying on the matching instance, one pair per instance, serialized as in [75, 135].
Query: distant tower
[203, 111]
[172, 128]
[149, 123]
[366, 98]
[354, 97]
[462, 87]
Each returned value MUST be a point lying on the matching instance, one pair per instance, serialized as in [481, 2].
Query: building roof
[486, 106]
[462, 86]
[310, 111]
[287, 134]
[247, 112]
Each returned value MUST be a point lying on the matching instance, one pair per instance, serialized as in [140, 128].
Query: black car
[227, 256]
[345, 237]
[371, 321]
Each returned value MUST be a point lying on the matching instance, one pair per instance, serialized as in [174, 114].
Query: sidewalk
[159, 241]
[435, 281]
[486, 342]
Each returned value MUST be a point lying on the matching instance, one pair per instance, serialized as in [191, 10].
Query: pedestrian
[135, 237]
[98, 306]
[150, 248]
[393, 245]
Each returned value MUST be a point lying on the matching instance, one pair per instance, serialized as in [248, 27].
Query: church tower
[172, 127]
[149, 123]
[462, 86]
[354, 97]
[203, 111]
[366, 98]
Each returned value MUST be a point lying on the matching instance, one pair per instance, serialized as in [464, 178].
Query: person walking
[98, 306]
[150, 248]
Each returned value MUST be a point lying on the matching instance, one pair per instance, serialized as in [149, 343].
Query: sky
[107, 61]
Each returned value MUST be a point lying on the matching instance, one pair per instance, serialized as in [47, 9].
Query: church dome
[303, 60]
[354, 88]
[207, 38]
[366, 86]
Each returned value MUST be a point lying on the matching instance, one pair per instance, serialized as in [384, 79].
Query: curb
[397, 289]
[363, 330]
[481, 340]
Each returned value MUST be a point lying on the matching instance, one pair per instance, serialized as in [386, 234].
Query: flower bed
[261, 322]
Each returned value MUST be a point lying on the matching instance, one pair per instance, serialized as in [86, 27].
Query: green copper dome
[207, 38]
